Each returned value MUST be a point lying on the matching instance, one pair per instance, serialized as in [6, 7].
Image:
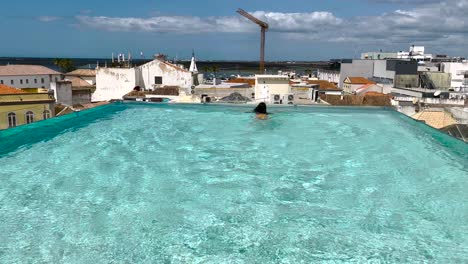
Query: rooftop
[358, 80]
[324, 85]
[436, 119]
[272, 76]
[250, 81]
[83, 73]
[4, 89]
[78, 82]
[20, 70]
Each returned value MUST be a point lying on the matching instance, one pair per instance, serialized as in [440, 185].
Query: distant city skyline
[299, 29]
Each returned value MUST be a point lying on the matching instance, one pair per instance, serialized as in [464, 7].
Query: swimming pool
[140, 183]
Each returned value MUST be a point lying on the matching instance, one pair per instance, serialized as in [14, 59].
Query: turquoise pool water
[129, 183]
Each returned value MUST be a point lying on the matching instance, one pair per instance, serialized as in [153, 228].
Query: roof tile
[20, 70]
[4, 89]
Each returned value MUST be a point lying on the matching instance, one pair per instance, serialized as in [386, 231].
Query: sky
[299, 29]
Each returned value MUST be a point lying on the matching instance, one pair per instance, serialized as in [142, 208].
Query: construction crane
[263, 28]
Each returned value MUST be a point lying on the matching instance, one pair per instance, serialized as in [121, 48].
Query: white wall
[380, 70]
[330, 76]
[30, 81]
[171, 75]
[113, 83]
[457, 70]
[267, 85]
[62, 92]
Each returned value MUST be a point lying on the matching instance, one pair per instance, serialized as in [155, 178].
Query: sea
[222, 68]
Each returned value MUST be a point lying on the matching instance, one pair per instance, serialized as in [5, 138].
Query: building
[361, 68]
[458, 72]
[114, 83]
[388, 69]
[351, 84]
[18, 107]
[415, 53]
[378, 55]
[87, 75]
[329, 76]
[369, 88]
[77, 87]
[272, 88]
[28, 77]
[73, 91]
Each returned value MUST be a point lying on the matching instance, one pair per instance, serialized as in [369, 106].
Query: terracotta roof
[324, 85]
[372, 93]
[83, 72]
[78, 82]
[358, 80]
[4, 89]
[436, 119]
[15, 70]
[250, 81]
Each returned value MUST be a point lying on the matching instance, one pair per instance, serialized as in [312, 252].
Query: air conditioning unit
[288, 98]
[276, 99]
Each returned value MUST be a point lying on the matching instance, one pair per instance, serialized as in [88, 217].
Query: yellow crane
[263, 28]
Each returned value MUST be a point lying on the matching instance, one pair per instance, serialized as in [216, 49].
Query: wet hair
[261, 109]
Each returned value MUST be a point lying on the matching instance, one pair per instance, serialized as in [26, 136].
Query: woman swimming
[261, 111]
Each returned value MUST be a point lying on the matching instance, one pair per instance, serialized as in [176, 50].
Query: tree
[214, 69]
[65, 65]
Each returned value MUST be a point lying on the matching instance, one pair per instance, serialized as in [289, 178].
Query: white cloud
[279, 22]
[429, 22]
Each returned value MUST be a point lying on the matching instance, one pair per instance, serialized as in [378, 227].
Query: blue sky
[299, 29]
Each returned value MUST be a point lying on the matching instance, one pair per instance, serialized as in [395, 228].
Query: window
[56, 79]
[11, 119]
[29, 117]
[27, 81]
[12, 82]
[35, 80]
[21, 81]
[46, 114]
[157, 80]
[1, 81]
[42, 80]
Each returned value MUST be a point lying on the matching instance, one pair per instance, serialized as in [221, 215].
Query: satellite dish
[437, 93]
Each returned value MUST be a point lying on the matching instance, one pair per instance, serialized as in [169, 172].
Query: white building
[158, 73]
[330, 76]
[114, 83]
[458, 71]
[28, 76]
[272, 88]
[415, 53]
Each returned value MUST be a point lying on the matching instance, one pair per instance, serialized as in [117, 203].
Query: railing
[434, 101]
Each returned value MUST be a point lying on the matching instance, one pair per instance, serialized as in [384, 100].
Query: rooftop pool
[143, 183]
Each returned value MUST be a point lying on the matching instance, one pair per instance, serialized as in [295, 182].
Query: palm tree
[65, 65]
